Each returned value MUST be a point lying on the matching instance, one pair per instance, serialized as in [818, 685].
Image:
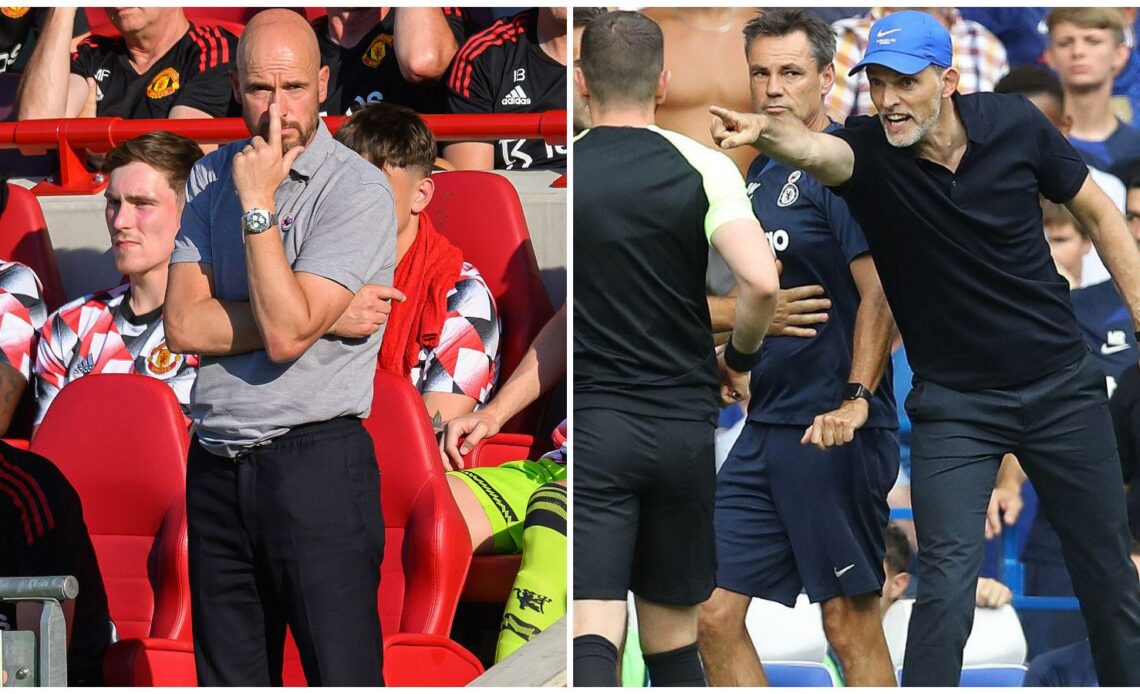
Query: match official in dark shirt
[945, 188]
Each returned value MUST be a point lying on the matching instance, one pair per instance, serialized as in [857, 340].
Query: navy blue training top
[1116, 154]
[1107, 328]
[961, 256]
[811, 231]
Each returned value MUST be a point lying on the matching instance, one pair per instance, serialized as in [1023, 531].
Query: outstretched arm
[827, 158]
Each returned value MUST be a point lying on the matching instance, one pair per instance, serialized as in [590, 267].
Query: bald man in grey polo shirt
[283, 493]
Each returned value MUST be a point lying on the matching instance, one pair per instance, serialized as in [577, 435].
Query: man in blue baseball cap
[945, 187]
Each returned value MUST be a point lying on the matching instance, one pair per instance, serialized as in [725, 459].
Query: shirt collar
[310, 160]
[977, 128]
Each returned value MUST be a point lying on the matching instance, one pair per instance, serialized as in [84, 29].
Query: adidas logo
[516, 97]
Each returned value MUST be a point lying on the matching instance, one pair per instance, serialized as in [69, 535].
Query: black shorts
[643, 507]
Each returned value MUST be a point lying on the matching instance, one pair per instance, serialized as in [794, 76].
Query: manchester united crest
[377, 50]
[161, 360]
[14, 12]
[164, 84]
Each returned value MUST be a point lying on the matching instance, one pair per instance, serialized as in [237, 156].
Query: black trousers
[1059, 427]
[287, 533]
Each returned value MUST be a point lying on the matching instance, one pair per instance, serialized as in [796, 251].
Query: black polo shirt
[962, 256]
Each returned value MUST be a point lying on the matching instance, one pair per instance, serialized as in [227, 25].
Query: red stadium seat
[481, 213]
[24, 238]
[120, 439]
[427, 551]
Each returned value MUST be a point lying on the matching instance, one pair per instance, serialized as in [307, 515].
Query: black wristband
[854, 391]
[739, 361]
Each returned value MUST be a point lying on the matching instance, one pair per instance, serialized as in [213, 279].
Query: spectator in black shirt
[396, 55]
[946, 187]
[42, 533]
[161, 67]
[517, 65]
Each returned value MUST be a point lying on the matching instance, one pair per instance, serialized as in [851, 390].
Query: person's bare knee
[722, 616]
[665, 627]
[848, 619]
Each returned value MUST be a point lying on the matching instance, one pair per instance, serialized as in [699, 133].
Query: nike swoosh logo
[840, 572]
[1106, 350]
[888, 32]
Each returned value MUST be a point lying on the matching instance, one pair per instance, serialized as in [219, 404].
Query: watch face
[256, 221]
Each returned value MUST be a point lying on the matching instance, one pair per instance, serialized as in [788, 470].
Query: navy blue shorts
[790, 516]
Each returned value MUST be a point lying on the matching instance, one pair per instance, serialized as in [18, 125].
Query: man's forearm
[423, 42]
[43, 90]
[214, 328]
[1118, 251]
[280, 307]
[543, 365]
[871, 349]
[754, 311]
[788, 140]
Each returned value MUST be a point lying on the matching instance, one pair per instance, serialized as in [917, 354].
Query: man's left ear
[323, 83]
[425, 189]
[950, 79]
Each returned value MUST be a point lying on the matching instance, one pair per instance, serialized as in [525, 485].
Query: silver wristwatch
[257, 220]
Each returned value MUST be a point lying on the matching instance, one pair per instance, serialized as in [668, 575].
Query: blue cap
[907, 42]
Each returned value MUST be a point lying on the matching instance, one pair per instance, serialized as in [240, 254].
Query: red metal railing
[72, 137]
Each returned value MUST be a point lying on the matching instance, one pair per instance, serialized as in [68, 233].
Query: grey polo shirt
[337, 219]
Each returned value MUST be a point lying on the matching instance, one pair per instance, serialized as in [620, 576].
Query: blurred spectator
[1125, 408]
[1086, 48]
[1044, 89]
[1068, 240]
[1021, 30]
[396, 55]
[517, 65]
[1069, 666]
[22, 306]
[120, 330]
[19, 29]
[44, 535]
[978, 56]
[162, 66]
[1126, 84]
[832, 15]
[706, 66]
[1132, 204]
[582, 17]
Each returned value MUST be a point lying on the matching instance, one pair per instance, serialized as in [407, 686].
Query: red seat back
[121, 440]
[427, 547]
[24, 238]
[481, 213]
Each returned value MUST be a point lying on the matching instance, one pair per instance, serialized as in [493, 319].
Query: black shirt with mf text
[962, 257]
[369, 72]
